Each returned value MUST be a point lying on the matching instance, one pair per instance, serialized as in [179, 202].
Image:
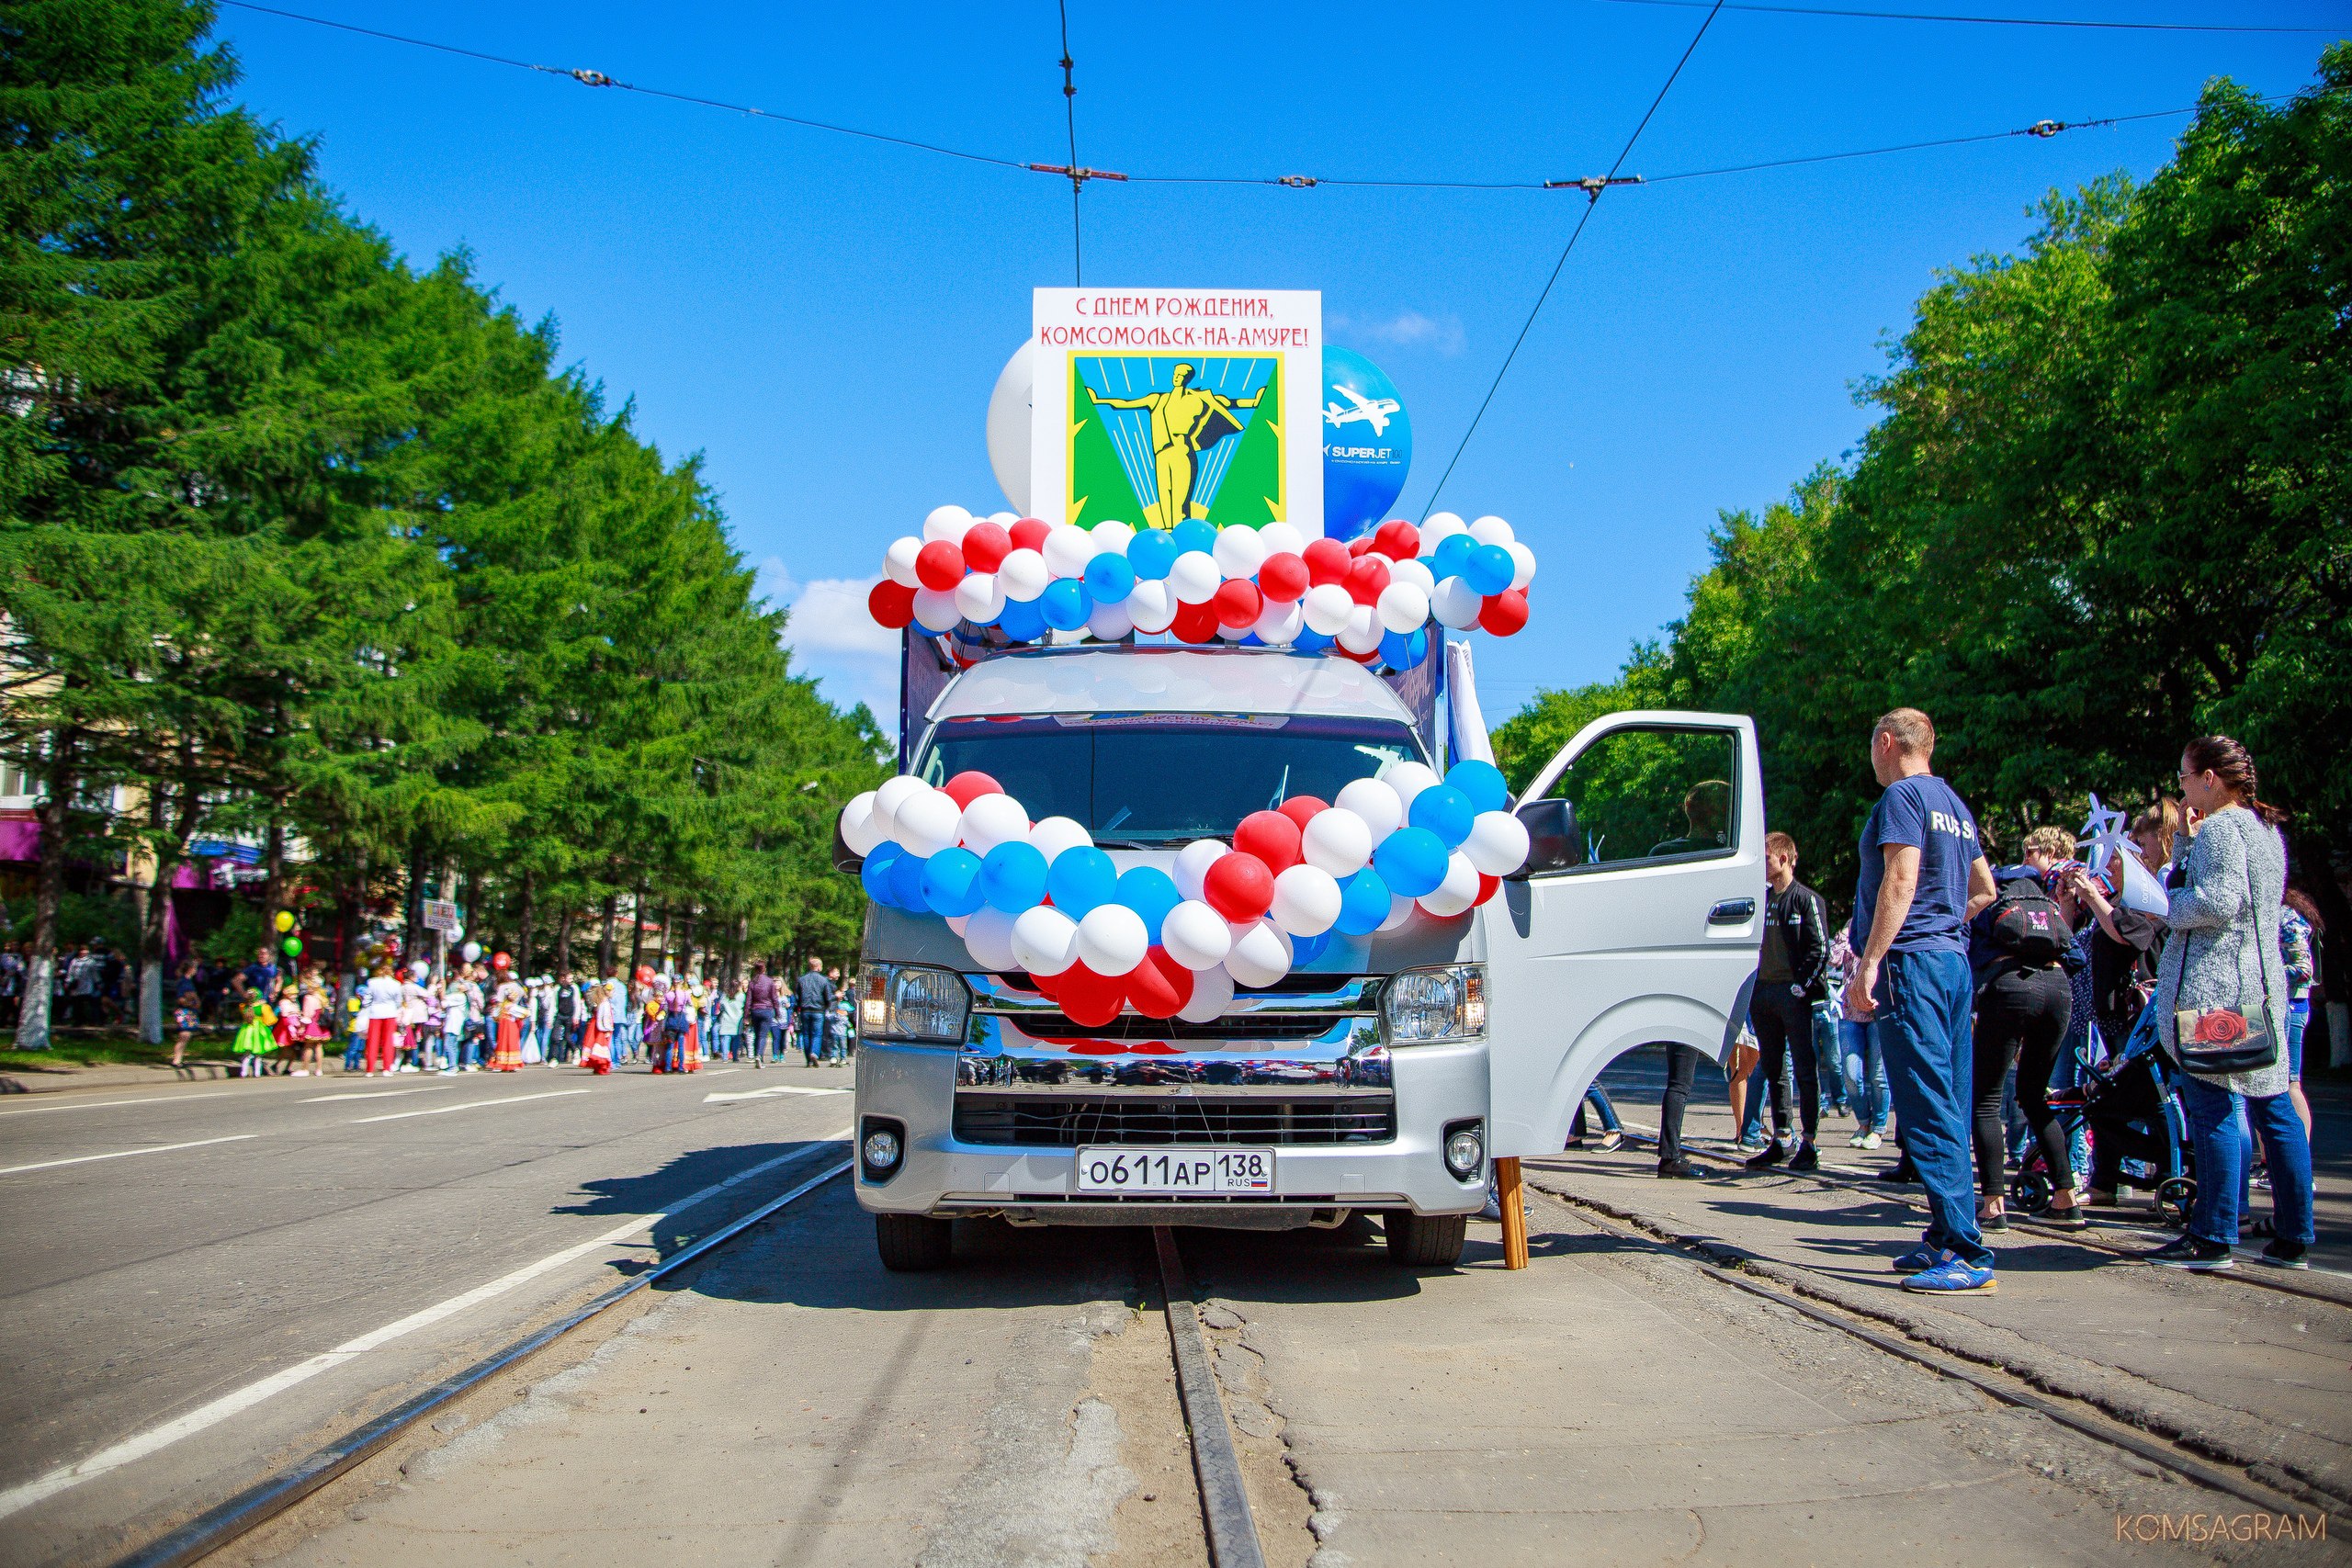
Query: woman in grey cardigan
[2224, 952]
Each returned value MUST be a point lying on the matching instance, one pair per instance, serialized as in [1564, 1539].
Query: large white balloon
[1192, 862]
[1112, 538]
[1009, 419]
[1400, 909]
[1523, 561]
[928, 823]
[1281, 538]
[1436, 529]
[1491, 530]
[1068, 549]
[1408, 779]
[993, 819]
[1362, 634]
[1211, 994]
[1403, 606]
[1109, 622]
[1328, 608]
[987, 937]
[892, 793]
[1382, 809]
[1497, 842]
[1111, 939]
[1306, 899]
[1240, 551]
[471, 951]
[899, 561]
[947, 522]
[1195, 935]
[1458, 891]
[1456, 604]
[1152, 607]
[1337, 843]
[1279, 624]
[1193, 577]
[858, 830]
[1260, 955]
[1045, 941]
[936, 611]
[980, 598]
[1413, 570]
[1051, 836]
[1023, 574]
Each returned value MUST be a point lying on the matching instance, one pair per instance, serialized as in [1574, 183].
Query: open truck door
[1636, 919]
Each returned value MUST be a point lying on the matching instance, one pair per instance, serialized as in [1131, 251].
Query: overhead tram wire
[1986, 21]
[1592, 202]
[1077, 180]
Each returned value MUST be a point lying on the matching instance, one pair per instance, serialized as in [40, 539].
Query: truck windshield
[1159, 779]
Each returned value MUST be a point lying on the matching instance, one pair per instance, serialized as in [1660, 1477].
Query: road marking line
[378, 1093]
[18, 1499]
[102, 1104]
[126, 1154]
[766, 1093]
[469, 1105]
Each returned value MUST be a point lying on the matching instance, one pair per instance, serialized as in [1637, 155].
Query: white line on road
[18, 1499]
[126, 1154]
[469, 1105]
[768, 1093]
[379, 1093]
[102, 1104]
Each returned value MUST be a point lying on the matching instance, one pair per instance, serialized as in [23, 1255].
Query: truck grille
[1134, 1026]
[1066, 1122]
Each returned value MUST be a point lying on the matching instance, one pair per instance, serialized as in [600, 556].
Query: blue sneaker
[1951, 1277]
[1920, 1257]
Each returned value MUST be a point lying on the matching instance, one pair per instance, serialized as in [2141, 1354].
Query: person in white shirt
[456, 1004]
[382, 1011]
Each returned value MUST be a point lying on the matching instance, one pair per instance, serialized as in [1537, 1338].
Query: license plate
[1175, 1172]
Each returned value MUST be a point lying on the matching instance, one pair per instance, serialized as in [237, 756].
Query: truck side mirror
[1552, 843]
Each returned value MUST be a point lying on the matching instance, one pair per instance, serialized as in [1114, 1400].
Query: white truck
[1385, 1075]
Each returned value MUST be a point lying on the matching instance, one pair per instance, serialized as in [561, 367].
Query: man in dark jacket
[763, 999]
[1791, 978]
[813, 999]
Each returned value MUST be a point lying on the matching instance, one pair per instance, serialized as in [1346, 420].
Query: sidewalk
[47, 1079]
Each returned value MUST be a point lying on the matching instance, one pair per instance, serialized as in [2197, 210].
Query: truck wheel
[914, 1244]
[1424, 1241]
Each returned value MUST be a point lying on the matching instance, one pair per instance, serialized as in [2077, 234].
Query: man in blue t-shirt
[1922, 876]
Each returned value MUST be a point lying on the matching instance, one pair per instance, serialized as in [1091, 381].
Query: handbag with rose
[2219, 1041]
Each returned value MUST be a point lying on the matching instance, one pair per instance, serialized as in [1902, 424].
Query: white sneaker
[1869, 1141]
[302, 1072]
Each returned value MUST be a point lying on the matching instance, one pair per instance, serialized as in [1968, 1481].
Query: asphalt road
[198, 1281]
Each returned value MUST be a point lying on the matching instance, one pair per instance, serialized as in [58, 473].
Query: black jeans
[2020, 1017]
[1782, 1021]
[1681, 1072]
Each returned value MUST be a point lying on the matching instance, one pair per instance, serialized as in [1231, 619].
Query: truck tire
[1424, 1241]
[914, 1244]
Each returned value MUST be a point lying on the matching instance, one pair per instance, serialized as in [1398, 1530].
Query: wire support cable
[1986, 21]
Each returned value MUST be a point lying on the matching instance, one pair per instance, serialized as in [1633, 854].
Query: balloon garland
[1370, 599]
[1040, 896]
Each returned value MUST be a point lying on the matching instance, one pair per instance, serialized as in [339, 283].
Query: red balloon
[1365, 579]
[970, 785]
[645, 974]
[1282, 576]
[1397, 539]
[1029, 534]
[1160, 987]
[1195, 623]
[1238, 886]
[1301, 808]
[1046, 984]
[1486, 886]
[1270, 835]
[500, 960]
[1357, 545]
[1346, 653]
[985, 546]
[891, 604]
[940, 565]
[1327, 561]
[1505, 612]
[1237, 604]
[1089, 999]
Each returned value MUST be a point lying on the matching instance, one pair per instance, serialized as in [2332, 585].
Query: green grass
[103, 1050]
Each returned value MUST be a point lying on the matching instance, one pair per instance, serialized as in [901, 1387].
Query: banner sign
[440, 916]
[1155, 406]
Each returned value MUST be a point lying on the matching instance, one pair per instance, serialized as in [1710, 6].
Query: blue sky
[822, 318]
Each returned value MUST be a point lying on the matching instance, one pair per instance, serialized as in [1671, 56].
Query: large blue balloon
[1489, 569]
[1150, 893]
[1108, 578]
[1412, 861]
[1066, 605]
[1150, 554]
[1482, 782]
[1451, 557]
[1082, 879]
[1367, 443]
[1363, 904]
[905, 882]
[1305, 949]
[875, 872]
[1194, 535]
[1309, 640]
[1396, 649]
[1013, 878]
[950, 882]
[1444, 811]
[1022, 620]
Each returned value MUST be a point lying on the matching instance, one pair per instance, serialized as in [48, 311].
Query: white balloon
[993, 819]
[1211, 994]
[1491, 530]
[1192, 862]
[1151, 606]
[1232, 634]
[928, 823]
[1112, 538]
[1023, 574]
[1281, 538]
[1260, 955]
[1414, 570]
[1195, 935]
[471, 951]
[935, 611]
[1009, 417]
[1327, 608]
[1524, 562]
[947, 522]
[893, 794]
[1441, 526]
[1051, 836]
[959, 924]
[1306, 899]
[1108, 622]
[1193, 577]
[1279, 624]
[1457, 604]
[987, 937]
[1240, 551]
[1338, 841]
[1111, 939]
[857, 824]
[1400, 909]
[899, 561]
[1045, 941]
[1402, 607]
[1497, 842]
[1408, 779]
[1068, 549]
[1381, 808]
[1457, 892]
[980, 597]
[1362, 634]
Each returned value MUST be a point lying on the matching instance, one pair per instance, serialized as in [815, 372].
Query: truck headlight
[1421, 1007]
[912, 1001]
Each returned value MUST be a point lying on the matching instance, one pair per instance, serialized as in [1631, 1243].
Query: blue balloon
[950, 883]
[1150, 554]
[905, 882]
[1022, 620]
[1417, 647]
[1489, 570]
[1309, 640]
[1363, 466]
[1396, 649]
[1306, 950]
[1444, 811]
[1482, 782]
[1363, 904]
[875, 873]
[1452, 555]
[1065, 605]
[1150, 893]
[1082, 879]
[1193, 534]
[1108, 578]
[1412, 861]
[1013, 878]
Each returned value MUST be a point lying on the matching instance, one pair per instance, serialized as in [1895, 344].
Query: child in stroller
[2138, 1136]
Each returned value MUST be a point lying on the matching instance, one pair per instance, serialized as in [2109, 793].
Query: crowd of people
[2029, 1027]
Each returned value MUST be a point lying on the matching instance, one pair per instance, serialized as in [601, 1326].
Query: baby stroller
[2139, 1137]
